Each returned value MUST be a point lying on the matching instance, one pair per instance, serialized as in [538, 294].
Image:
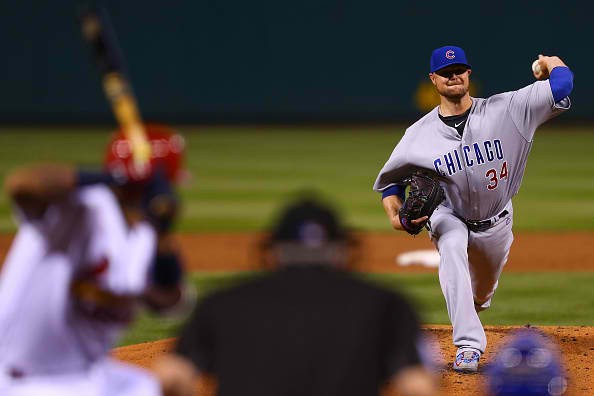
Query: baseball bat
[100, 35]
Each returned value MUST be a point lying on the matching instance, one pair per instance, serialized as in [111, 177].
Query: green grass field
[241, 175]
[538, 299]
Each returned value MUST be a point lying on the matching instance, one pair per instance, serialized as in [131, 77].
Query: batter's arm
[167, 292]
[34, 187]
[392, 205]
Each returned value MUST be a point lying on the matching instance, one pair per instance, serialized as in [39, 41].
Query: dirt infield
[530, 252]
[378, 251]
[576, 343]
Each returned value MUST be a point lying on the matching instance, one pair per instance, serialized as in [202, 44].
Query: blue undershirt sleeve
[561, 80]
[394, 190]
[86, 178]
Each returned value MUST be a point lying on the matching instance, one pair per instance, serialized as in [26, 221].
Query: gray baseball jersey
[482, 170]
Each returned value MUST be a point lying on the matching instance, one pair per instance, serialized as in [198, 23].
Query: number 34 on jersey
[494, 177]
[468, 156]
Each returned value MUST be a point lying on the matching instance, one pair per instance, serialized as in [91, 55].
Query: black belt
[484, 225]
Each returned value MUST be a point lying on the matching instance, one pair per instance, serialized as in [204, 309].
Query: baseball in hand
[538, 72]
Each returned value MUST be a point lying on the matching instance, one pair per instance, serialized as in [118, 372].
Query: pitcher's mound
[576, 344]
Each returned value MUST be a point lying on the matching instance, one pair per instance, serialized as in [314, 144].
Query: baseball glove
[424, 196]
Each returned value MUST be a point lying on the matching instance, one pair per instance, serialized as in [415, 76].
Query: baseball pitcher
[476, 149]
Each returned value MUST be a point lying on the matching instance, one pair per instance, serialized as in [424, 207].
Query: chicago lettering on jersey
[468, 156]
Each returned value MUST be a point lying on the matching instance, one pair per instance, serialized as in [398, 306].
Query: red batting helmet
[167, 149]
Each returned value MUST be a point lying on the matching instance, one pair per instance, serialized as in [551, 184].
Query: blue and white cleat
[467, 360]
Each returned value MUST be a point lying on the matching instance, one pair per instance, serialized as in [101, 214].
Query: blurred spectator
[528, 365]
[307, 328]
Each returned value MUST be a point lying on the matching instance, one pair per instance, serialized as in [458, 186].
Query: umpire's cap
[309, 222]
[309, 232]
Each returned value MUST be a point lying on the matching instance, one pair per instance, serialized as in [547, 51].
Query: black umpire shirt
[302, 331]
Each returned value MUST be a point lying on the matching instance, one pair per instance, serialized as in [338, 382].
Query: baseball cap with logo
[308, 221]
[447, 56]
[308, 232]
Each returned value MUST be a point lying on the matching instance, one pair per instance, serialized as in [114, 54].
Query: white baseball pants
[469, 270]
[108, 377]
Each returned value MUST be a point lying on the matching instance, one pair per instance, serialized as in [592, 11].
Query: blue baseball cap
[447, 56]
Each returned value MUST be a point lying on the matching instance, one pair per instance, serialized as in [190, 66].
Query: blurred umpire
[307, 328]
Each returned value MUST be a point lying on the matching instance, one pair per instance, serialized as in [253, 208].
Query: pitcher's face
[452, 82]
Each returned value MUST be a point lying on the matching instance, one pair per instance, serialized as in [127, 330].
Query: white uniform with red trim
[52, 342]
[480, 173]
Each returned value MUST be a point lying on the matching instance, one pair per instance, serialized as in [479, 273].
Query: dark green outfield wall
[263, 60]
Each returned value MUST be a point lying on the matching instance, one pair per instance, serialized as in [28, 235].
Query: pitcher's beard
[454, 96]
